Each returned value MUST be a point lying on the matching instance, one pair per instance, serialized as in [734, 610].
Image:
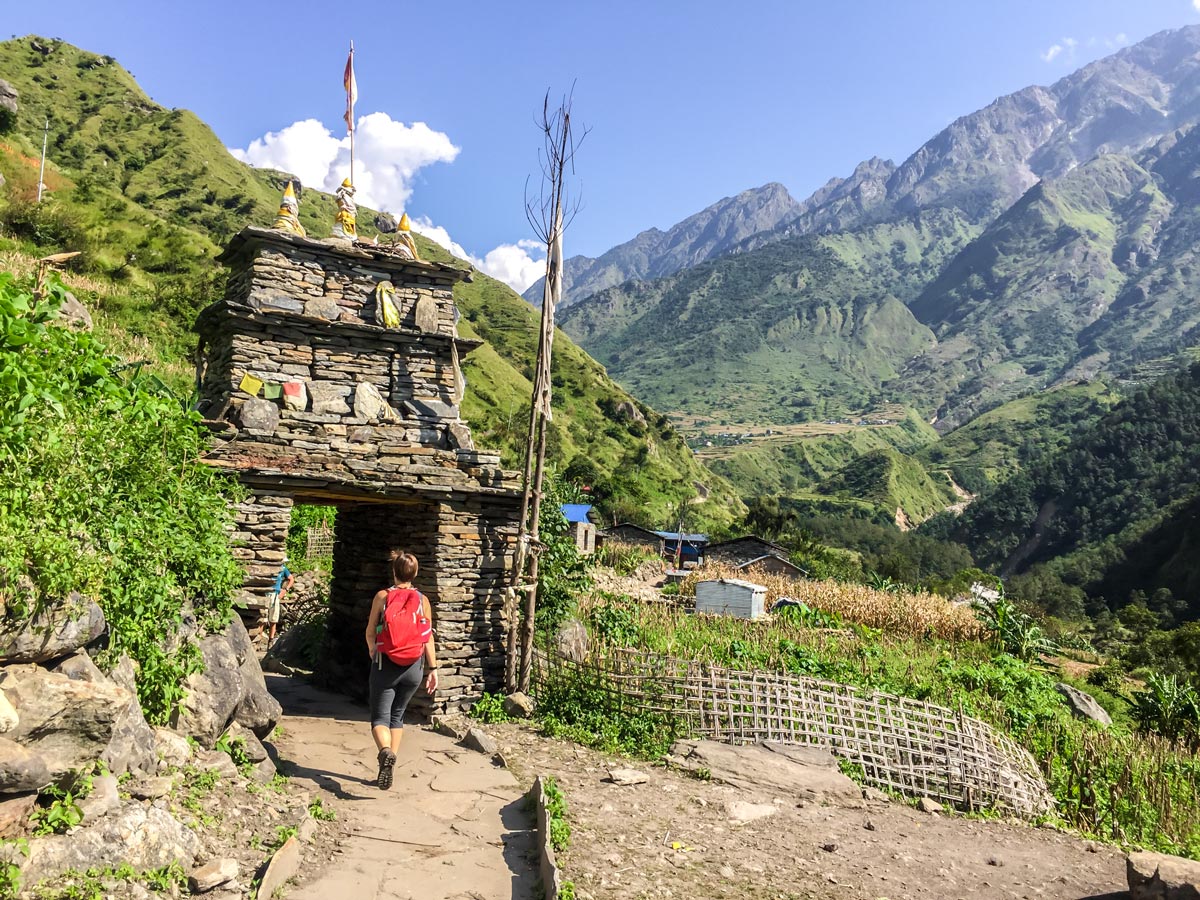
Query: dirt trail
[622, 837]
[452, 827]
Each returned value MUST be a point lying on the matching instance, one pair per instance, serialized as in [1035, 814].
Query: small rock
[283, 865]
[172, 748]
[15, 810]
[1083, 705]
[103, 799]
[926, 805]
[259, 416]
[264, 771]
[869, 825]
[212, 875]
[626, 777]
[323, 308]
[21, 768]
[740, 812]
[251, 745]
[829, 848]
[329, 398]
[995, 861]
[216, 761]
[477, 739]
[307, 829]
[8, 715]
[74, 314]
[151, 788]
[425, 314]
[727, 872]
[518, 705]
[875, 795]
[297, 399]
[79, 667]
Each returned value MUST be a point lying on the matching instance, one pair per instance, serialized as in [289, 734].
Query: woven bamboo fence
[903, 745]
[320, 541]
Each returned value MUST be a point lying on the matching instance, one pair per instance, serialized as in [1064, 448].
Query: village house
[582, 529]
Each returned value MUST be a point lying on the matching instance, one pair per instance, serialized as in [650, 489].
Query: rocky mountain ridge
[1076, 202]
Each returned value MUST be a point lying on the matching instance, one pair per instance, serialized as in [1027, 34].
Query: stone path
[453, 826]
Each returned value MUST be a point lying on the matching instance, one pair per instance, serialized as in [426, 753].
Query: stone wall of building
[369, 423]
[464, 548]
[259, 543]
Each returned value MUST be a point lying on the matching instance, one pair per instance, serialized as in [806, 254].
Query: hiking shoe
[387, 759]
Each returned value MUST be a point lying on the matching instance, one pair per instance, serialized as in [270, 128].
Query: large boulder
[145, 837]
[70, 724]
[21, 769]
[1083, 705]
[1157, 876]
[257, 710]
[809, 773]
[213, 695]
[58, 629]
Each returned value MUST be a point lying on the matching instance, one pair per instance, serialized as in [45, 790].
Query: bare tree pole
[549, 214]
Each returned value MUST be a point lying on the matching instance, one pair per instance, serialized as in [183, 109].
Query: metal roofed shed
[731, 597]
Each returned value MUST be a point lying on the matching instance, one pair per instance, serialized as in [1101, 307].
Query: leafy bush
[489, 709]
[1169, 707]
[105, 494]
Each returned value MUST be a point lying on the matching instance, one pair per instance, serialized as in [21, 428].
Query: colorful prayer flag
[251, 385]
[272, 391]
[351, 91]
[291, 389]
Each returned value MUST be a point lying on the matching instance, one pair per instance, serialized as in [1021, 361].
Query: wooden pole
[42, 170]
[350, 112]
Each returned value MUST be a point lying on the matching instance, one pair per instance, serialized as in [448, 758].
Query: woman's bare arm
[377, 606]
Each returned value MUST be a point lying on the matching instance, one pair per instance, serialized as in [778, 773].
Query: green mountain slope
[995, 445]
[149, 194]
[762, 335]
[1091, 514]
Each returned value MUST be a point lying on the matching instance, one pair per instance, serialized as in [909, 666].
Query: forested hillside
[1111, 513]
[149, 195]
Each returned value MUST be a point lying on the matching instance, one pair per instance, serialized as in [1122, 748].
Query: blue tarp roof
[577, 512]
[687, 538]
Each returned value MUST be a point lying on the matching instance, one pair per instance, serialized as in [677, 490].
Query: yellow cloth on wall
[251, 385]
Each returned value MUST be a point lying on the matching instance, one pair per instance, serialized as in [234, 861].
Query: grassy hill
[149, 195]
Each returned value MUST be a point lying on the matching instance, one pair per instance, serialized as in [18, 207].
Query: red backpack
[405, 630]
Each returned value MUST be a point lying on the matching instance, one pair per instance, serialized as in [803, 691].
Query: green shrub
[105, 493]
[489, 709]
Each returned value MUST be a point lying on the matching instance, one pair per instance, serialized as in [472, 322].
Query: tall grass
[918, 615]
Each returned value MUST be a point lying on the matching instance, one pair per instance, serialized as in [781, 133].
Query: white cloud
[511, 263]
[387, 156]
[1196, 5]
[1066, 46]
[1053, 51]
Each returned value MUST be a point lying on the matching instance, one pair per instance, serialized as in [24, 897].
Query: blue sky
[687, 102]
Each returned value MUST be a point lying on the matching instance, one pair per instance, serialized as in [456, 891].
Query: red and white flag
[351, 91]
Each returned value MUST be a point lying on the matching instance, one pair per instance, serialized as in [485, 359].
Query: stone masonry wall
[260, 543]
[464, 548]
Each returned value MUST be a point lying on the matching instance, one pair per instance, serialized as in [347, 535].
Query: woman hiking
[400, 641]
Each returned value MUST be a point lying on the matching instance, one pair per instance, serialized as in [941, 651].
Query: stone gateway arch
[329, 373]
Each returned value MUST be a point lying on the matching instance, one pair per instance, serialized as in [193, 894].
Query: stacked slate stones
[312, 398]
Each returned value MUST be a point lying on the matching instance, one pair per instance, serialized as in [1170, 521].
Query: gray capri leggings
[392, 687]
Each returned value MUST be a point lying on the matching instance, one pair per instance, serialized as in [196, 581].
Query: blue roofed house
[689, 547]
[581, 526]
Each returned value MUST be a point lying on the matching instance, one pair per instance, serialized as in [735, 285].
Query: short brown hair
[404, 566]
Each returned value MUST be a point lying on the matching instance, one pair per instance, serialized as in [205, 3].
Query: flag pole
[350, 116]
